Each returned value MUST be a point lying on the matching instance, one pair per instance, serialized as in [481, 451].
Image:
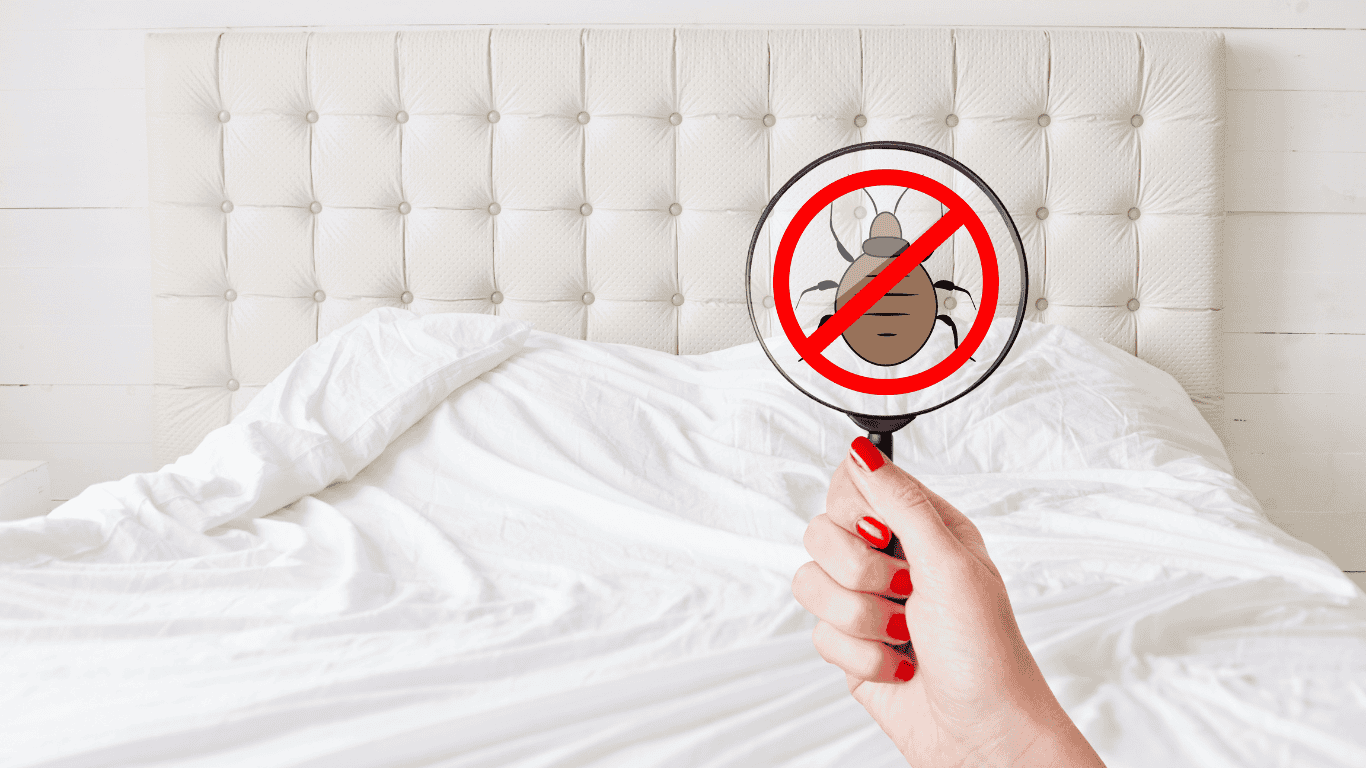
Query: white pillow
[322, 420]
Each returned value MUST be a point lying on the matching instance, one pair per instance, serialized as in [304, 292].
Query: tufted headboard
[604, 183]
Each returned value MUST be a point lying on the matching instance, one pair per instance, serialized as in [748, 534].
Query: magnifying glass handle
[883, 441]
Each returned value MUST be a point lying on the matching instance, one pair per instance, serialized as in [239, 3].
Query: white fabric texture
[582, 556]
[604, 184]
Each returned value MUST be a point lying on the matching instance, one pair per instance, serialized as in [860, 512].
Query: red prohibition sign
[812, 348]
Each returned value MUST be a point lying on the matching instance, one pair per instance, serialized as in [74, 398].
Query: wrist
[1055, 742]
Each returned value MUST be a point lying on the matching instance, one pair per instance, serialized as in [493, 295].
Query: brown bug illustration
[894, 329]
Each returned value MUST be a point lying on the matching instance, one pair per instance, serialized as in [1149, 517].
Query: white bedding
[582, 556]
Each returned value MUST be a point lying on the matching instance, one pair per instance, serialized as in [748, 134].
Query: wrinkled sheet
[582, 556]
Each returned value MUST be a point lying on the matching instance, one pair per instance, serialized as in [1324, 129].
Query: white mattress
[574, 553]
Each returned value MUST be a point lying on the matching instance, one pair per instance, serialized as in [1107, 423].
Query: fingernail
[901, 582]
[867, 454]
[875, 532]
[896, 627]
[905, 670]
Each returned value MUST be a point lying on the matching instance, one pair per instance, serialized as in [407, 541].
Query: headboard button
[494, 116]
[497, 297]
[770, 120]
[1044, 120]
[1134, 213]
[1041, 214]
[677, 299]
[319, 296]
[584, 117]
[1136, 121]
[675, 209]
[951, 121]
[233, 386]
[404, 208]
[315, 207]
[495, 208]
[860, 121]
[860, 211]
[224, 116]
[1132, 305]
[1041, 304]
[230, 295]
[768, 302]
[226, 207]
[311, 117]
[585, 209]
[950, 303]
[407, 297]
[675, 119]
[588, 298]
[402, 116]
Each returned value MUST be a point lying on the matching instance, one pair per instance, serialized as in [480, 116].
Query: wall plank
[44, 413]
[75, 296]
[1341, 536]
[126, 14]
[1263, 363]
[111, 238]
[1286, 481]
[1294, 273]
[1296, 423]
[1305, 182]
[73, 149]
[74, 466]
[1297, 121]
[71, 60]
[76, 354]
[1297, 59]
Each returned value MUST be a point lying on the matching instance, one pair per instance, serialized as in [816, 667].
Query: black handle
[880, 431]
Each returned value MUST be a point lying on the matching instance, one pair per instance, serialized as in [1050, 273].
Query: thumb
[901, 504]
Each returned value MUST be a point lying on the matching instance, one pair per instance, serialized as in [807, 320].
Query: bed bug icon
[894, 329]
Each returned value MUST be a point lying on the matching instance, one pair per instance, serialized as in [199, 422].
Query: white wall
[75, 309]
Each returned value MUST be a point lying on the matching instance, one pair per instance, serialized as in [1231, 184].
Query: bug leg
[838, 244]
[822, 322]
[947, 285]
[823, 285]
[952, 327]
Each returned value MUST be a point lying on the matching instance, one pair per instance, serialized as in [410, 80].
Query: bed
[476, 462]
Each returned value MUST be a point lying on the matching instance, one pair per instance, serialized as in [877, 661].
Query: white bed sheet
[582, 556]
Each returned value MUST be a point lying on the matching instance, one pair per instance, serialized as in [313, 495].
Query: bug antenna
[898, 200]
[843, 252]
[871, 200]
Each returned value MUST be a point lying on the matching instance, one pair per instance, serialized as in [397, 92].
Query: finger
[861, 659]
[899, 504]
[851, 563]
[853, 613]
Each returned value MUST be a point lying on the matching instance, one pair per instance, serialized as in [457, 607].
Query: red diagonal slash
[903, 264]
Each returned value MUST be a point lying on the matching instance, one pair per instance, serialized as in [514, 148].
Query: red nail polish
[905, 670]
[874, 531]
[867, 454]
[901, 582]
[896, 627]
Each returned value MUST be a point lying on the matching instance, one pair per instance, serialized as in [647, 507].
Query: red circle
[782, 269]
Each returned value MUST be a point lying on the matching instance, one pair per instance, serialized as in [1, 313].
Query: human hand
[971, 694]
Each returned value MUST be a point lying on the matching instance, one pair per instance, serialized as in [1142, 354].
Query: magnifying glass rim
[952, 163]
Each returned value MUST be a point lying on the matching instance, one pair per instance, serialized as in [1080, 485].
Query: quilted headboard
[604, 183]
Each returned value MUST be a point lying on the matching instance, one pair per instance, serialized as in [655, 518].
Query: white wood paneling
[65, 238]
[83, 148]
[75, 466]
[75, 314]
[48, 413]
[147, 14]
[1290, 363]
[1340, 536]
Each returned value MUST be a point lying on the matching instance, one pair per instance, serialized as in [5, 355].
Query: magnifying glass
[876, 277]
